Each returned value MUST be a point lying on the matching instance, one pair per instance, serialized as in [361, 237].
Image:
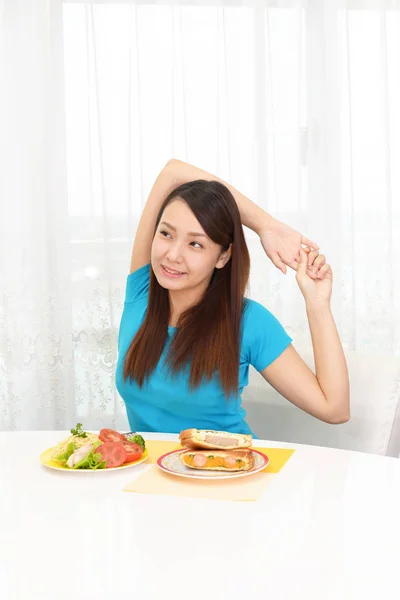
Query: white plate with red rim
[171, 463]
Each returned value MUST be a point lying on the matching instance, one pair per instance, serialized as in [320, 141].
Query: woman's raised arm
[280, 242]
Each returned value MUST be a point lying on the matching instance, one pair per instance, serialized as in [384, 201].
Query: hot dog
[218, 460]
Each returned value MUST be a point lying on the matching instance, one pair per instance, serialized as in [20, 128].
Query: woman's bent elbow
[171, 162]
[339, 419]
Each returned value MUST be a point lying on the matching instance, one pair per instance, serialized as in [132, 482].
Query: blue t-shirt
[165, 403]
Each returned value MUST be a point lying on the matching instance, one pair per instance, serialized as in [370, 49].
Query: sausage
[219, 440]
[199, 460]
[230, 462]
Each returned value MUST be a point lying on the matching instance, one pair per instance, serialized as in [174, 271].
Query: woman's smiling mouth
[171, 272]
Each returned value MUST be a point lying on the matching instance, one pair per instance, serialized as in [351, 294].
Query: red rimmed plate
[171, 463]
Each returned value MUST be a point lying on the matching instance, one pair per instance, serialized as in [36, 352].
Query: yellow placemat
[157, 449]
[155, 481]
[249, 488]
[278, 457]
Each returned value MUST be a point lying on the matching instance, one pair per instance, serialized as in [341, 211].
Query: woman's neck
[180, 301]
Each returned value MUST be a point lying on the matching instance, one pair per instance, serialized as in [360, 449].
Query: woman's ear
[224, 257]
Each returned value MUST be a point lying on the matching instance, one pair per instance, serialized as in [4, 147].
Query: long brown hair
[208, 334]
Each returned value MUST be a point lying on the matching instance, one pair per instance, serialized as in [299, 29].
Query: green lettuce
[92, 460]
[64, 456]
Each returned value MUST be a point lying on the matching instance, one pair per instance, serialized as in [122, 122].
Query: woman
[188, 335]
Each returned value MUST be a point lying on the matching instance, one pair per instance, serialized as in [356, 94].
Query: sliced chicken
[79, 455]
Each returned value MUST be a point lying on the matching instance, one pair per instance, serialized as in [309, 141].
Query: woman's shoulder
[258, 321]
[253, 310]
[263, 336]
[137, 284]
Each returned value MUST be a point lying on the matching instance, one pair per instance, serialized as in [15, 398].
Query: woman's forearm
[330, 362]
[252, 216]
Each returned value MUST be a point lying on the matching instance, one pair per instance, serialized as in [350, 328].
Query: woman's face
[183, 257]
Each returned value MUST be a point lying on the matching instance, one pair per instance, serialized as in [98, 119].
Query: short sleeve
[137, 284]
[264, 338]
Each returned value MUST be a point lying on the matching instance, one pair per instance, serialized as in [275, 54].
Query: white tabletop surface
[327, 527]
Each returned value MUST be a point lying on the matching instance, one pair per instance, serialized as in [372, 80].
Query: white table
[328, 527]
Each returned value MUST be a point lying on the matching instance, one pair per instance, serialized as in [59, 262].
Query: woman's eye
[164, 233]
[197, 244]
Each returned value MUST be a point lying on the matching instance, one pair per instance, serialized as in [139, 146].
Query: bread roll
[216, 440]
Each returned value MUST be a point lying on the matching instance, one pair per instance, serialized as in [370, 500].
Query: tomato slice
[113, 453]
[133, 451]
[109, 435]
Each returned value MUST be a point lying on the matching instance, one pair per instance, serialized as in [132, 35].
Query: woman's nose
[175, 252]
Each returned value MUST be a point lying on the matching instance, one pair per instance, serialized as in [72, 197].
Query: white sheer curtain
[294, 102]
[36, 351]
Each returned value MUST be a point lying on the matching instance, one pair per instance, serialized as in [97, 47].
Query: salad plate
[85, 451]
[46, 460]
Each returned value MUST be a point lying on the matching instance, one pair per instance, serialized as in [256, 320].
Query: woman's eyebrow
[197, 234]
